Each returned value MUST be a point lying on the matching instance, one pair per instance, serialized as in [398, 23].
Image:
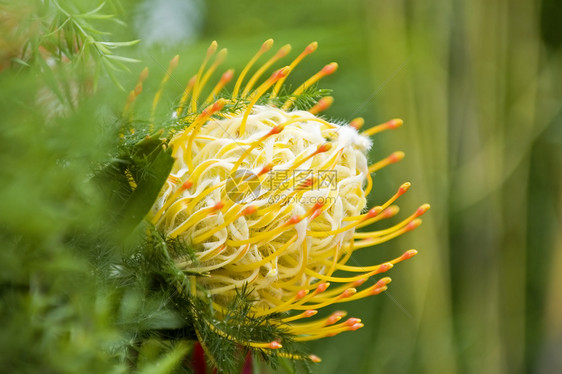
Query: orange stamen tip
[352, 321]
[377, 291]
[266, 169]
[310, 313]
[356, 326]
[215, 107]
[219, 205]
[409, 254]
[311, 47]
[249, 210]
[281, 73]
[301, 294]
[318, 205]
[276, 130]
[412, 225]
[322, 104]
[174, 62]
[334, 318]
[359, 282]
[315, 359]
[266, 46]
[383, 282]
[143, 74]
[283, 51]
[323, 147]
[187, 184]
[227, 76]
[357, 123]
[395, 123]
[275, 345]
[390, 211]
[373, 212]
[326, 101]
[192, 80]
[348, 293]
[322, 287]
[385, 267]
[330, 68]
[396, 156]
[404, 187]
[294, 220]
[218, 105]
[422, 209]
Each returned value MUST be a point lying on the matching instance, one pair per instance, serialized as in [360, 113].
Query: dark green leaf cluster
[55, 319]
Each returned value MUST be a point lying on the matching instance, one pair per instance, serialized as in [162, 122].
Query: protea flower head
[271, 198]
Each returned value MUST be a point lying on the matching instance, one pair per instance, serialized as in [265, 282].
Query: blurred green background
[479, 86]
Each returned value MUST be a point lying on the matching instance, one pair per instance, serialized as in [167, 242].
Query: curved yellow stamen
[271, 345]
[200, 85]
[298, 299]
[334, 300]
[401, 191]
[185, 186]
[259, 93]
[306, 314]
[185, 96]
[393, 158]
[420, 211]
[210, 51]
[266, 46]
[135, 92]
[332, 319]
[308, 50]
[194, 218]
[171, 67]
[265, 260]
[302, 268]
[385, 266]
[283, 51]
[369, 184]
[381, 239]
[326, 70]
[322, 105]
[392, 124]
[200, 121]
[229, 218]
[225, 78]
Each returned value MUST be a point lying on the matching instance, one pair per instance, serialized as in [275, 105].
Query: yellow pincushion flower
[271, 198]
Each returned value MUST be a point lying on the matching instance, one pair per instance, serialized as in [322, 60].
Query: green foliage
[52, 311]
[135, 178]
[61, 34]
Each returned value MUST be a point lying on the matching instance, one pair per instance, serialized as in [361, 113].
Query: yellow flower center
[274, 230]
